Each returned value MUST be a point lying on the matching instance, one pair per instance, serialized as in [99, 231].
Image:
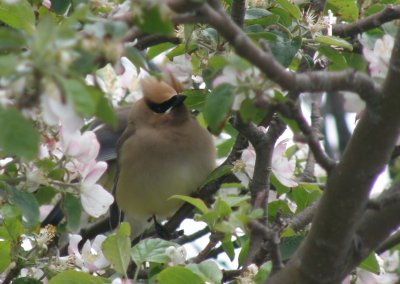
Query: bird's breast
[155, 165]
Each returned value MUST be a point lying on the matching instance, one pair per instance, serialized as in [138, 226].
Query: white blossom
[91, 258]
[281, 167]
[329, 21]
[181, 68]
[379, 56]
[176, 254]
[58, 111]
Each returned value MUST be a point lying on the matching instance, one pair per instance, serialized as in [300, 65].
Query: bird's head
[159, 96]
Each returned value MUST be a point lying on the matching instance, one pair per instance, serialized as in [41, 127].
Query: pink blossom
[83, 147]
[47, 4]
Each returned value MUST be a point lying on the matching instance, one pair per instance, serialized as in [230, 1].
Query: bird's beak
[178, 100]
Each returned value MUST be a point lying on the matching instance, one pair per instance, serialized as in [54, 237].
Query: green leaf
[293, 9]
[217, 107]
[8, 64]
[228, 247]
[153, 22]
[256, 13]
[234, 201]
[83, 100]
[243, 252]
[158, 49]
[284, 16]
[14, 228]
[5, 254]
[289, 245]
[356, 61]
[370, 263]
[338, 61]
[336, 41]
[152, 250]
[285, 49]
[18, 135]
[225, 147]
[178, 275]
[195, 99]
[26, 280]
[256, 36]
[28, 205]
[217, 173]
[11, 40]
[136, 57]
[264, 21]
[196, 202]
[72, 209]
[249, 112]
[263, 272]
[347, 10]
[181, 49]
[104, 109]
[45, 194]
[303, 196]
[278, 206]
[208, 270]
[60, 7]
[291, 123]
[75, 277]
[18, 15]
[116, 248]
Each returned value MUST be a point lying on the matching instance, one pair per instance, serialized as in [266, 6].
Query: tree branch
[303, 218]
[377, 225]
[388, 14]
[346, 197]
[316, 81]
[272, 238]
[389, 243]
[238, 10]
[295, 113]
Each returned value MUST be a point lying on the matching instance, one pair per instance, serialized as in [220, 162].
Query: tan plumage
[160, 154]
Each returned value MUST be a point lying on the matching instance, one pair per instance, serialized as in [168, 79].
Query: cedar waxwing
[162, 152]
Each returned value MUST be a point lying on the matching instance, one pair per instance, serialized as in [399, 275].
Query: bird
[162, 152]
[157, 150]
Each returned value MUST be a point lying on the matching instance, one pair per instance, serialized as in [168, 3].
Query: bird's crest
[156, 91]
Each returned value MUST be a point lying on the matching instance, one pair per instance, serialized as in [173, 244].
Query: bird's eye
[174, 101]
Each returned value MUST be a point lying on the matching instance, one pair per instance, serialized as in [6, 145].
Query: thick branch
[377, 225]
[389, 243]
[303, 218]
[388, 14]
[347, 193]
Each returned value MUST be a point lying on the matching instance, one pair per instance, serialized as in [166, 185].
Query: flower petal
[95, 199]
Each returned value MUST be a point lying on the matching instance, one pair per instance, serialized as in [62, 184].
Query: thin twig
[187, 239]
[214, 239]
[388, 14]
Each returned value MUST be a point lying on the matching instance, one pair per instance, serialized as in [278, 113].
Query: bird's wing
[108, 136]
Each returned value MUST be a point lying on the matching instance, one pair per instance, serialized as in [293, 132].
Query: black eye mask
[175, 101]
